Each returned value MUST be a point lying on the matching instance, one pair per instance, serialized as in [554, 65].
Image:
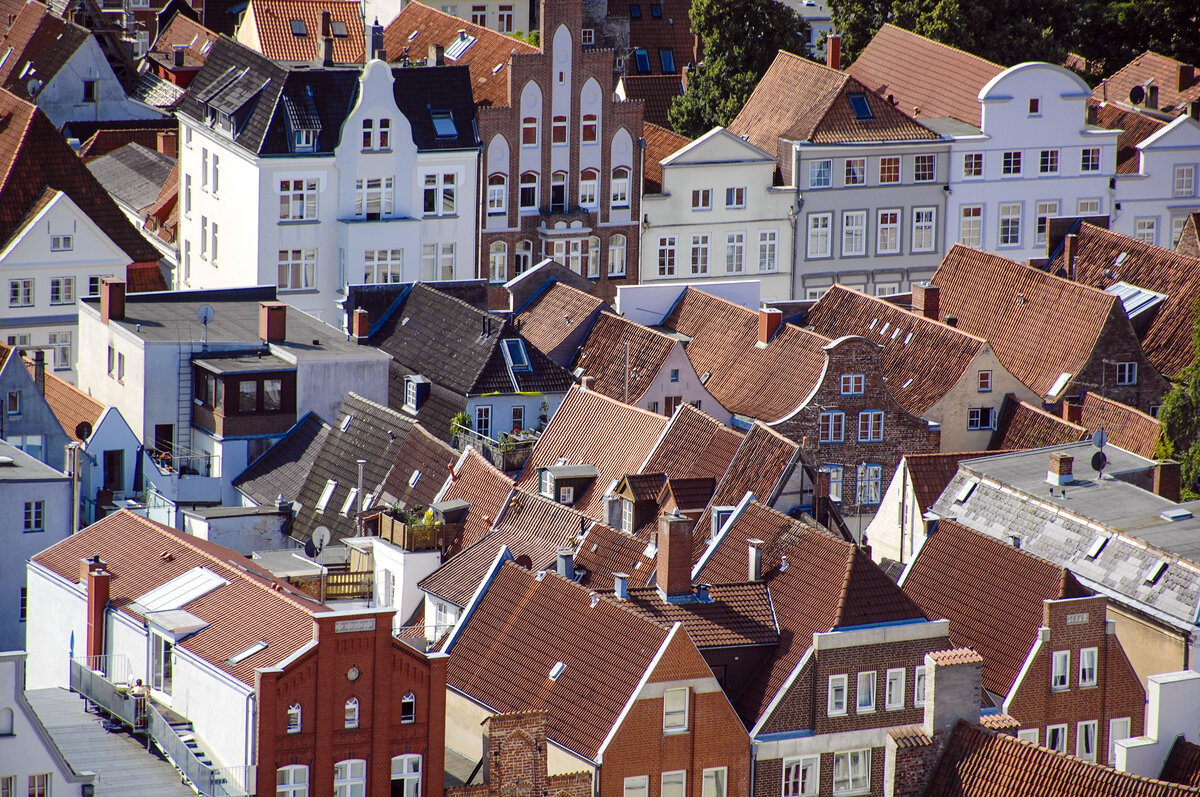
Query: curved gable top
[991, 89]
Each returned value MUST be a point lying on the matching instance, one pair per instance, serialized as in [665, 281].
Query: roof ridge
[1015, 265]
[705, 416]
[1047, 414]
[939, 44]
[1118, 405]
[845, 590]
[1112, 235]
[879, 301]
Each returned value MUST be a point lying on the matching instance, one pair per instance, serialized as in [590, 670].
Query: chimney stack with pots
[272, 322]
[674, 573]
[769, 320]
[952, 689]
[360, 325]
[1060, 470]
[926, 300]
[112, 300]
[1187, 73]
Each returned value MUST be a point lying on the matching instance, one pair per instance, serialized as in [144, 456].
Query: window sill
[298, 290]
[374, 151]
[861, 710]
[439, 216]
[1060, 689]
[836, 714]
[297, 222]
[33, 531]
[1088, 686]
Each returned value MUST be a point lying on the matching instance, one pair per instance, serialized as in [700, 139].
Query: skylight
[349, 502]
[412, 480]
[345, 424]
[907, 383]
[339, 29]
[238, 658]
[459, 45]
[443, 124]
[858, 104]
[326, 494]
[1155, 572]
[1097, 547]
[642, 56]
[412, 35]
[497, 68]
[1059, 384]
[557, 670]
[964, 492]
[181, 590]
[514, 352]
[298, 28]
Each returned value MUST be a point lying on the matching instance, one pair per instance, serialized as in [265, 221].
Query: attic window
[459, 45]
[443, 124]
[656, 11]
[326, 494]
[1155, 572]
[642, 57]
[298, 28]
[514, 352]
[238, 658]
[412, 35]
[557, 670]
[339, 29]
[412, 480]
[964, 492]
[858, 104]
[345, 424]
[1097, 547]
[348, 505]
[207, 46]
[886, 326]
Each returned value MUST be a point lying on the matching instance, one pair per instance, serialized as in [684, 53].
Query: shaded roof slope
[1178, 83]
[661, 143]
[283, 467]
[418, 470]
[1021, 425]
[1182, 764]
[133, 174]
[930, 473]
[656, 92]
[1130, 429]
[694, 446]
[552, 316]
[623, 373]
[42, 44]
[737, 614]
[1135, 128]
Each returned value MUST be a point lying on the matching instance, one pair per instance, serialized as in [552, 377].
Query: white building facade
[1153, 203]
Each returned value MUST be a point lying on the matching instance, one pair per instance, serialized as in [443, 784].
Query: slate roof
[556, 314]
[1021, 425]
[605, 648]
[485, 488]
[1167, 338]
[603, 356]
[656, 92]
[661, 143]
[737, 614]
[252, 607]
[1182, 764]
[930, 473]
[70, 405]
[133, 174]
[283, 467]
[1132, 430]
[978, 762]
[491, 49]
[273, 18]
[42, 45]
[926, 355]
[1018, 308]
[1178, 83]
[1135, 128]
[928, 79]
[944, 580]
[34, 159]
[801, 100]
[759, 382]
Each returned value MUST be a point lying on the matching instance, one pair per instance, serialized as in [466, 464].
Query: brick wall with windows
[1118, 368]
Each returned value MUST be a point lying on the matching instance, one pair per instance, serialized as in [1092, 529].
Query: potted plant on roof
[460, 422]
[543, 415]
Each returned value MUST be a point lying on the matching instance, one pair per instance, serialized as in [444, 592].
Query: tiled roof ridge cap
[767, 428]
[1014, 265]
[772, 511]
[943, 46]
[877, 301]
[1090, 395]
[648, 329]
[663, 626]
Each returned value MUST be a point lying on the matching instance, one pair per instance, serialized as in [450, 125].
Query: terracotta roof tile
[604, 551]
[661, 143]
[910, 736]
[922, 358]
[671, 30]
[499, 659]
[70, 405]
[928, 79]
[1178, 83]
[273, 24]
[485, 488]
[1167, 337]
[978, 762]
[802, 100]
[695, 445]
[930, 473]
[1001, 622]
[42, 44]
[417, 26]
[737, 614]
[656, 92]
[1018, 308]
[689, 494]
[249, 609]
[183, 31]
[999, 722]
[103, 142]
[646, 486]
[949, 658]
[615, 369]
[1127, 428]
[1182, 764]
[1135, 128]
[555, 315]
[759, 382]
[1022, 426]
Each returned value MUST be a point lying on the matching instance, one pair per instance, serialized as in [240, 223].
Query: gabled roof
[1178, 83]
[1189, 239]
[592, 429]
[418, 26]
[285, 465]
[605, 550]
[759, 382]
[485, 488]
[500, 657]
[687, 494]
[1182, 764]
[1132, 430]
[133, 174]
[619, 372]
[70, 405]
[252, 606]
[945, 581]
[1021, 425]
[930, 473]
[107, 140]
[555, 314]
[801, 100]
[1135, 128]
[737, 614]
[186, 33]
[1167, 338]
[34, 159]
[694, 446]
[1039, 326]
[274, 21]
[928, 79]
[669, 30]
[410, 483]
[656, 92]
[978, 762]
[42, 44]
[922, 358]
[660, 143]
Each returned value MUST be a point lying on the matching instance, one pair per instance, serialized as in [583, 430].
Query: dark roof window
[298, 28]
[643, 60]
[667, 57]
[656, 11]
[443, 124]
[858, 103]
[339, 29]
[635, 12]
[514, 352]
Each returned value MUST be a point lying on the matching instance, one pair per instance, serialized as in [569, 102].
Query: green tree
[1179, 438]
[1113, 32]
[740, 39]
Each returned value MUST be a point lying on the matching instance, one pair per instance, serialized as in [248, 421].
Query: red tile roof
[1018, 309]
[1127, 428]
[273, 24]
[103, 142]
[926, 355]
[617, 369]
[688, 494]
[1183, 764]
[670, 31]
[802, 100]
[1178, 83]
[928, 79]
[419, 449]
[737, 614]
[187, 33]
[983, 763]
[249, 609]
[1022, 426]
[144, 277]
[1135, 128]
[694, 445]
[485, 488]
[417, 26]
[41, 43]
[657, 93]
[945, 580]
[162, 218]
[760, 382]
[503, 655]
[661, 143]
[604, 551]
[554, 315]
[930, 473]
[1167, 338]
[70, 405]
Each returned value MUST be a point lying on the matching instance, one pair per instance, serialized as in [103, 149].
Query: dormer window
[304, 141]
[443, 124]
[563, 483]
[546, 484]
[416, 390]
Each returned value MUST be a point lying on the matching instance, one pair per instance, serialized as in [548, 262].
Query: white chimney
[621, 586]
[755, 560]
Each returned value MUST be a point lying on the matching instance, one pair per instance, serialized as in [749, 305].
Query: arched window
[350, 778]
[529, 131]
[616, 255]
[524, 256]
[593, 257]
[620, 187]
[558, 192]
[498, 262]
[589, 192]
[497, 194]
[408, 708]
[406, 769]
[590, 131]
[293, 718]
[291, 781]
[352, 713]
[529, 191]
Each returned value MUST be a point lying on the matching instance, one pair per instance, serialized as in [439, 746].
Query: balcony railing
[206, 779]
[509, 453]
[177, 460]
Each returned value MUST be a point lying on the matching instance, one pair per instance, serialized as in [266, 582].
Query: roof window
[345, 424]
[412, 480]
[459, 45]
[1155, 572]
[635, 11]
[181, 590]
[443, 124]
[238, 658]
[515, 354]
[858, 104]
[643, 60]
[656, 11]
[326, 494]
[412, 35]
[298, 28]
[667, 57]
[557, 670]
[1096, 547]
[339, 29]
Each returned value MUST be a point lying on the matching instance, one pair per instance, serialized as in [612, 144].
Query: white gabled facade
[1153, 203]
[1034, 157]
[719, 217]
[85, 89]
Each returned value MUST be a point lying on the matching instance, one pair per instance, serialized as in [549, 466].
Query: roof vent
[1172, 515]
[557, 670]
[7, 461]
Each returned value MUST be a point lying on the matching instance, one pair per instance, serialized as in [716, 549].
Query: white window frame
[1088, 207]
[869, 484]
[1089, 160]
[919, 685]
[298, 199]
[619, 188]
[801, 776]
[854, 233]
[735, 253]
[1011, 163]
[837, 684]
[1118, 728]
[350, 778]
[1184, 182]
[407, 768]
[1145, 229]
[701, 199]
[637, 786]
[699, 254]
[970, 226]
[1048, 161]
[1009, 227]
[1089, 660]
[1061, 744]
[666, 256]
[855, 172]
[735, 197]
[300, 268]
[1086, 734]
[893, 691]
[973, 166]
[714, 782]
[924, 229]
[616, 255]
[852, 384]
[295, 718]
[864, 693]
[1043, 212]
[889, 161]
[983, 381]
[1060, 670]
[1127, 373]
[62, 290]
[1028, 734]
[408, 704]
[887, 231]
[928, 160]
[675, 716]
[768, 241]
[292, 781]
[852, 772]
[352, 712]
[820, 230]
[673, 783]
[820, 173]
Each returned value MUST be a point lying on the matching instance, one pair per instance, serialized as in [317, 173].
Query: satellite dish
[205, 314]
[310, 550]
[320, 538]
[1098, 462]
[1099, 439]
[1137, 95]
[83, 430]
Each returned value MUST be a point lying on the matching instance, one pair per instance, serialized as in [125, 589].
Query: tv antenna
[205, 314]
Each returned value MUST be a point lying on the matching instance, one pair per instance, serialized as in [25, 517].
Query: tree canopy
[1180, 417]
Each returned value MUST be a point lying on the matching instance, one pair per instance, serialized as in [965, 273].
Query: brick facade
[354, 657]
[1119, 344]
[515, 761]
[563, 80]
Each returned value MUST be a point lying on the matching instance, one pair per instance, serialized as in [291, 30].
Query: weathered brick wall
[1118, 343]
[517, 761]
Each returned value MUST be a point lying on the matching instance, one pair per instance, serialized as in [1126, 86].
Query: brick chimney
[95, 579]
[1187, 73]
[39, 370]
[360, 325]
[926, 300]
[167, 142]
[1060, 471]
[833, 51]
[437, 55]
[1167, 479]
[821, 497]
[769, 320]
[325, 45]
[112, 300]
[1072, 413]
[674, 557]
[177, 53]
[272, 322]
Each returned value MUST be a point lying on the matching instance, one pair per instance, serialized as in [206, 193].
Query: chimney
[177, 53]
[112, 300]
[167, 142]
[1069, 245]
[360, 325]
[621, 586]
[833, 51]
[754, 563]
[925, 300]
[1059, 472]
[1193, 109]
[587, 382]
[375, 41]
[702, 593]
[96, 579]
[952, 689]
[950, 321]
[1167, 479]
[769, 320]
[821, 497]
[1152, 96]
[674, 557]
[566, 563]
[437, 55]
[272, 322]
[1187, 73]
[39, 370]
[325, 46]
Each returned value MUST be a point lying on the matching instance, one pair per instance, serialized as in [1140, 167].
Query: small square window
[674, 374]
[853, 384]
[1035, 106]
[1127, 373]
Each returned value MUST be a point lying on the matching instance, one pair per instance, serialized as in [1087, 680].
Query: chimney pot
[621, 586]
[674, 574]
[112, 300]
[360, 325]
[39, 370]
[754, 568]
[272, 322]
[1060, 470]
[769, 320]
[702, 593]
[926, 300]
[833, 51]
[566, 563]
[1167, 480]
